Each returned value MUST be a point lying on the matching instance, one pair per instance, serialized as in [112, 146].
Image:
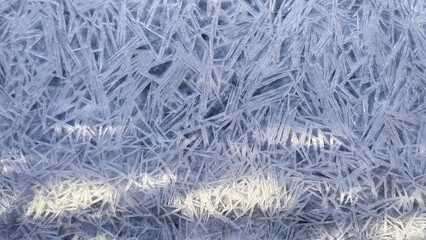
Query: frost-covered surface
[222, 119]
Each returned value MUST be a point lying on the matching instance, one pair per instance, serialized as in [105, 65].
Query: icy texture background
[224, 119]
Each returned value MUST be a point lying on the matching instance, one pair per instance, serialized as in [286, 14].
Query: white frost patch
[412, 228]
[301, 137]
[270, 193]
[13, 164]
[70, 196]
[87, 130]
[100, 237]
[151, 181]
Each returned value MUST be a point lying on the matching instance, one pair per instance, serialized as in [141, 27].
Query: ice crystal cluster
[213, 119]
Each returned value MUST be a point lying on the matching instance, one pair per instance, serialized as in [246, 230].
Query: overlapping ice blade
[224, 119]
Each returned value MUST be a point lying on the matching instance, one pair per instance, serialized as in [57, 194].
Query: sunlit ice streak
[70, 195]
[269, 193]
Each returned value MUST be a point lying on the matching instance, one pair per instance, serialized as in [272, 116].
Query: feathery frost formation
[221, 119]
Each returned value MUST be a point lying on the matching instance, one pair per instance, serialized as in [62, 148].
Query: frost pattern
[222, 119]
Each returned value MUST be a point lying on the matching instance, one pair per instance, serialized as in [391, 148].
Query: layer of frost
[221, 119]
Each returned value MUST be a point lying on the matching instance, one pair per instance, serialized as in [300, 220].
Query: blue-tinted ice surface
[188, 119]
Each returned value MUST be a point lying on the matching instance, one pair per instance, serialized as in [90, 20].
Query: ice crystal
[222, 119]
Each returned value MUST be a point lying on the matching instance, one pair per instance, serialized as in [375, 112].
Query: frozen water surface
[221, 119]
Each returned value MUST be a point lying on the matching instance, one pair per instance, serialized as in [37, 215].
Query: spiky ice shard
[223, 119]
